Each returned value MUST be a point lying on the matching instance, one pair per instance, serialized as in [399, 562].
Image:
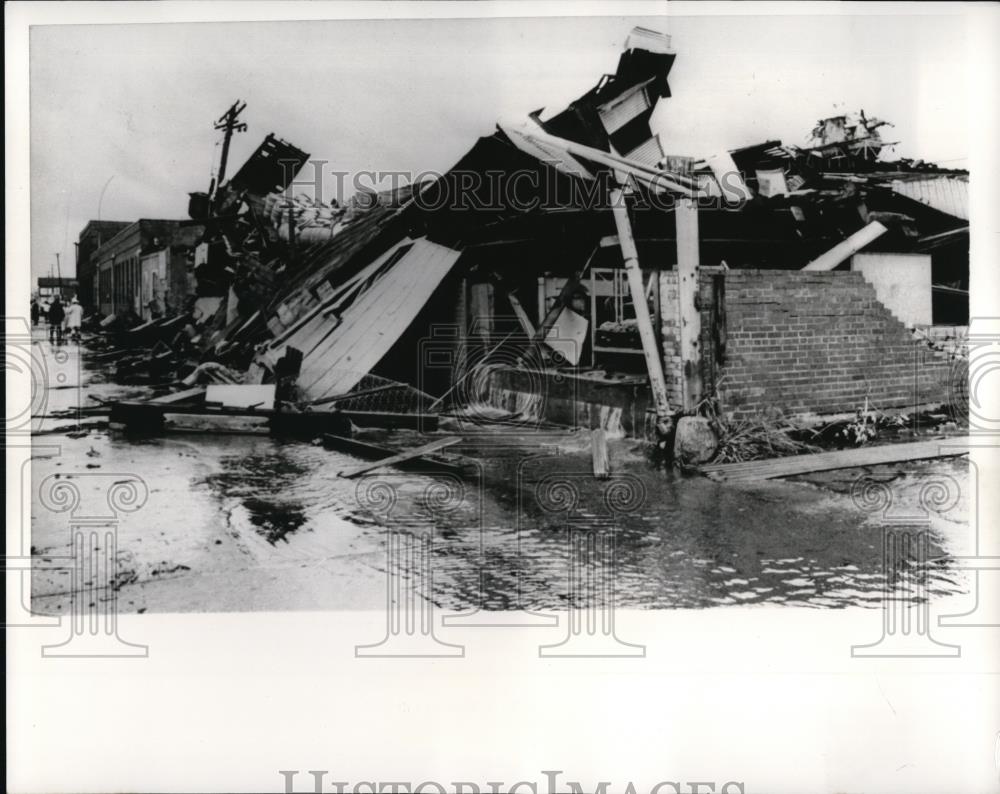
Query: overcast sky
[134, 104]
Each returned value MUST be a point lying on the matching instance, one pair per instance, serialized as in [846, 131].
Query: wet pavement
[250, 522]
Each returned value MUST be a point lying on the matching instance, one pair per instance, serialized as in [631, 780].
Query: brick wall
[794, 342]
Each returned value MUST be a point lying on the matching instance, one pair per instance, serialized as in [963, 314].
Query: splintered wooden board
[840, 459]
[401, 457]
[239, 395]
[375, 321]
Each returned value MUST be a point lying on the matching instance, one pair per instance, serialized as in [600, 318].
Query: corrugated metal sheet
[650, 40]
[946, 194]
[622, 109]
[321, 262]
[649, 152]
[373, 323]
[306, 331]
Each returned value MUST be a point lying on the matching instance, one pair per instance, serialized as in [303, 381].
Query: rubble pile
[320, 298]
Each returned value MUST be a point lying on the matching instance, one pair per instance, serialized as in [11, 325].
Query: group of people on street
[63, 321]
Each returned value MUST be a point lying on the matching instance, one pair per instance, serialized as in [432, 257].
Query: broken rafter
[658, 180]
[650, 348]
[848, 247]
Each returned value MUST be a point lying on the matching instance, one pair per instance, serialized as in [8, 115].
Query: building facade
[144, 269]
[50, 287]
[93, 236]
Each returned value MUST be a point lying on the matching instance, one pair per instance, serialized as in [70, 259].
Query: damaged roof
[270, 169]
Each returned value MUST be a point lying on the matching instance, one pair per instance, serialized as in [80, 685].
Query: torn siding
[944, 193]
[340, 349]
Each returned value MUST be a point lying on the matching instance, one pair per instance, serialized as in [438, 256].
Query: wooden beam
[838, 459]
[563, 300]
[365, 449]
[599, 452]
[848, 247]
[401, 457]
[413, 421]
[522, 315]
[651, 351]
[180, 396]
[651, 176]
[731, 184]
[536, 339]
[686, 220]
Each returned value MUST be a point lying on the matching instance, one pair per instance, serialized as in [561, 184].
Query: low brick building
[92, 237]
[50, 286]
[145, 262]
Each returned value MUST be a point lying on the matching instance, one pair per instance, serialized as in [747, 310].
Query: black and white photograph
[560, 397]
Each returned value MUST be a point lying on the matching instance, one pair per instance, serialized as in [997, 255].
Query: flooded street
[249, 522]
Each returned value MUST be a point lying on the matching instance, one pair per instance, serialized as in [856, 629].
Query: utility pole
[228, 123]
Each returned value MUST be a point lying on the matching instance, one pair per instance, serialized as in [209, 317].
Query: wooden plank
[308, 424]
[414, 421]
[365, 449]
[354, 446]
[563, 300]
[144, 407]
[599, 453]
[241, 395]
[180, 396]
[401, 457]
[654, 365]
[748, 471]
[522, 315]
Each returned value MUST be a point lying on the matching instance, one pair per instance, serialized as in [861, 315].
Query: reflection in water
[693, 543]
[263, 485]
[274, 521]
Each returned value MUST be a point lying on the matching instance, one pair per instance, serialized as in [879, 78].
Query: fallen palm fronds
[752, 439]
[757, 439]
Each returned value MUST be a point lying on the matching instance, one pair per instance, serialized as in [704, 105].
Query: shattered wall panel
[369, 328]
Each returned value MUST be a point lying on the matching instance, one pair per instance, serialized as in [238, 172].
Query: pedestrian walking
[34, 312]
[74, 319]
[56, 316]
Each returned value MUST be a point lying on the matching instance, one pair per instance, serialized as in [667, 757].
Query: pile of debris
[336, 307]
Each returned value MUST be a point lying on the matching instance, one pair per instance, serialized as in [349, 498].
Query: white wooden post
[686, 220]
[848, 247]
[650, 349]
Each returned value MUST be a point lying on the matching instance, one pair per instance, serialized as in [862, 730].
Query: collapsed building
[571, 270]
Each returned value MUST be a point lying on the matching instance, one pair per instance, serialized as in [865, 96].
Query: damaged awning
[341, 349]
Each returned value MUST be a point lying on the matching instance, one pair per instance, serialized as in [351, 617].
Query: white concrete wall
[902, 282]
